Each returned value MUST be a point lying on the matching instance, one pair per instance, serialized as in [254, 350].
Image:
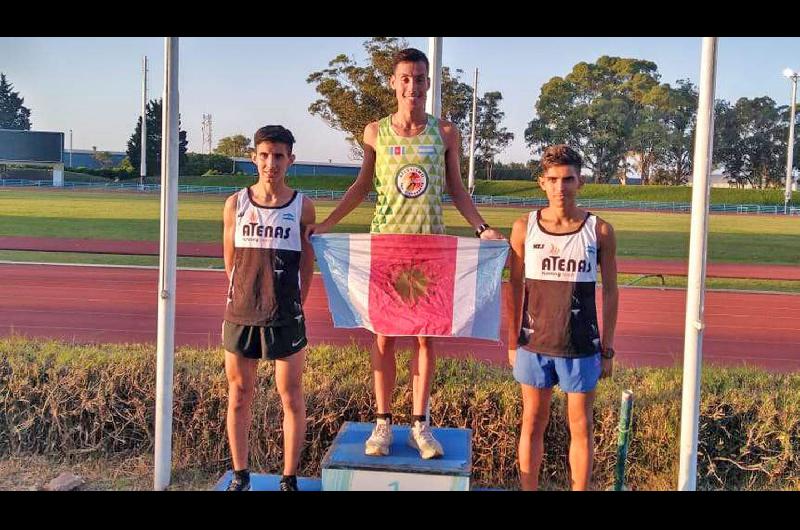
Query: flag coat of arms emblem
[409, 284]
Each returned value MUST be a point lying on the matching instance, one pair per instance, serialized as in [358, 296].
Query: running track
[105, 304]
[214, 250]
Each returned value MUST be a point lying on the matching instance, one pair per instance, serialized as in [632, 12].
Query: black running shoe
[289, 484]
[238, 484]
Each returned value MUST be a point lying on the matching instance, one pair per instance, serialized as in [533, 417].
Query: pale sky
[92, 85]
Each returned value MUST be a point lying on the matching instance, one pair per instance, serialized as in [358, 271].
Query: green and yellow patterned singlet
[409, 180]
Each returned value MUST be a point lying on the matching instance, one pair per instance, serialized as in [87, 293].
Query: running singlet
[409, 179]
[559, 315]
[264, 287]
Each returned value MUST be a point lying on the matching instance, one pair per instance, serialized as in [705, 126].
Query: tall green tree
[490, 137]
[236, 145]
[750, 141]
[153, 116]
[680, 124]
[648, 137]
[594, 109]
[353, 95]
[672, 119]
[13, 114]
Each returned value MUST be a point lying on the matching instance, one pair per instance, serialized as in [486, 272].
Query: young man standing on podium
[413, 158]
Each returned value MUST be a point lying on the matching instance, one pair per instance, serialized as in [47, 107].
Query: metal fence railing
[495, 200]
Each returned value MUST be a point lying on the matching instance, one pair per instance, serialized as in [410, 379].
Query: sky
[93, 85]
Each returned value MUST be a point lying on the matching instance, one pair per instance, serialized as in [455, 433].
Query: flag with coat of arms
[413, 285]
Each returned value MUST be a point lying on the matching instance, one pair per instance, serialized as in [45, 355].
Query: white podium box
[346, 467]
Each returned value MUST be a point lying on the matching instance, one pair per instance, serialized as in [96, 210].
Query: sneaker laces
[424, 432]
[381, 430]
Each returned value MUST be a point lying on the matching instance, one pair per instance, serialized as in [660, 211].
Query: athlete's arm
[517, 284]
[228, 232]
[307, 218]
[461, 199]
[607, 254]
[356, 193]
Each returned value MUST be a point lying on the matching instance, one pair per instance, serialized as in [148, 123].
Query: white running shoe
[420, 437]
[381, 439]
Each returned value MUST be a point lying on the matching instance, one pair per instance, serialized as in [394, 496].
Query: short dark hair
[561, 155]
[409, 55]
[275, 134]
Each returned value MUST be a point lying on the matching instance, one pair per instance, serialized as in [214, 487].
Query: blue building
[85, 158]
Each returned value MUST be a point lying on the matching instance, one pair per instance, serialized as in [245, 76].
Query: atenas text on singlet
[264, 287]
[559, 314]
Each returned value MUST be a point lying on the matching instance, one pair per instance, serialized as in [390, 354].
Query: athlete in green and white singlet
[409, 180]
[410, 158]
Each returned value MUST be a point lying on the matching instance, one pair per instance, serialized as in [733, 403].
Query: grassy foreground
[95, 403]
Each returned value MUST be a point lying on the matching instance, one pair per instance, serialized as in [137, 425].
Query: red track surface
[107, 246]
[214, 250]
[103, 304]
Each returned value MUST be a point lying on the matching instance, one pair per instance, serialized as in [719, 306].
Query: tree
[750, 139]
[516, 170]
[13, 114]
[351, 96]
[594, 110]
[670, 121]
[648, 137]
[680, 124]
[490, 138]
[236, 145]
[126, 166]
[103, 158]
[200, 164]
[153, 115]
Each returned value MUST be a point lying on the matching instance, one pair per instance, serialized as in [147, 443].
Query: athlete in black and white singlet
[559, 316]
[264, 287]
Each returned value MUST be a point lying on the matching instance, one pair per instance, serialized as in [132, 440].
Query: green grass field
[131, 216]
[529, 188]
[322, 182]
[511, 188]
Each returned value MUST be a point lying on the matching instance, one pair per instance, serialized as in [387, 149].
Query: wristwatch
[607, 353]
[481, 229]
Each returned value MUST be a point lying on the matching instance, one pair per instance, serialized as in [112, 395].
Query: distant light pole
[790, 74]
[143, 141]
[471, 174]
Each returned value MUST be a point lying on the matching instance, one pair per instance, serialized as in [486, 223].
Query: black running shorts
[264, 342]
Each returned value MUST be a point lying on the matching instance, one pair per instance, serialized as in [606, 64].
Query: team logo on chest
[411, 181]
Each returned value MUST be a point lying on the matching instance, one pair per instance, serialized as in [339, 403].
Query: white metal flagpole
[790, 151]
[166, 272]
[433, 105]
[693, 334]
